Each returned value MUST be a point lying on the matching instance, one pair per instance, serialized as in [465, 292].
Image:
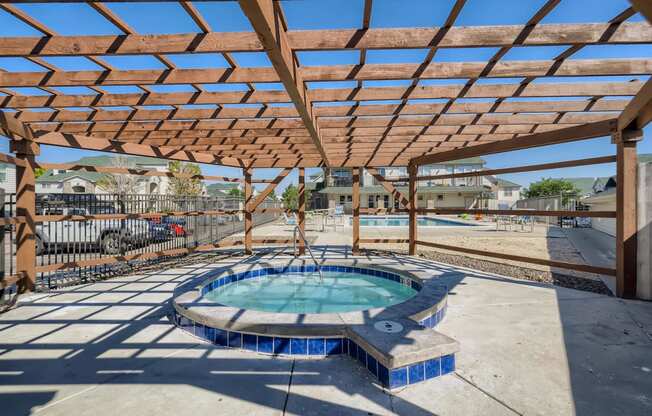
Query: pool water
[304, 293]
[396, 221]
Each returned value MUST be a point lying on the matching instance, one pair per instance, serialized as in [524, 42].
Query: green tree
[235, 192]
[552, 187]
[38, 172]
[290, 197]
[185, 183]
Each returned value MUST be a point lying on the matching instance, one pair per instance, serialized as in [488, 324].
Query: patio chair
[290, 220]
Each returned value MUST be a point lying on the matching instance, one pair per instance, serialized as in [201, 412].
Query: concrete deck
[526, 348]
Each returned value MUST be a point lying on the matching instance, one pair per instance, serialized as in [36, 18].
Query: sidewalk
[597, 249]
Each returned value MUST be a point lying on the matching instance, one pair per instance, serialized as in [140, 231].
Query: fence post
[27, 150]
[412, 170]
[248, 213]
[626, 218]
[302, 209]
[356, 211]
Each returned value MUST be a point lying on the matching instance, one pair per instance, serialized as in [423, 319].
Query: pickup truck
[110, 236]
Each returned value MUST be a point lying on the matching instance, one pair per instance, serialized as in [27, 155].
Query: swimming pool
[404, 221]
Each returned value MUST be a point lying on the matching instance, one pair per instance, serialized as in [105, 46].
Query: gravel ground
[557, 279]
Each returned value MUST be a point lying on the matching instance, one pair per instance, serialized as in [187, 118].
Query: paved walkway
[108, 348]
[596, 248]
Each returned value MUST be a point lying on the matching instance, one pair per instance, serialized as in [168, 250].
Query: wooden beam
[26, 150]
[4, 158]
[293, 78]
[626, 219]
[336, 39]
[644, 7]
[137, 77]
[14, 128]
[104, 145]
[356, 210]
[323, 95]
[269, 189]
[447, 70]
[467, 36]
[265, 21]
[389, 187]
[302, 209]
[637, 113]
[137, 256]
[248, 227]
[523, 259]
[527, 168]
[583, 132]
[132, 171]
[329, 116]
[331, 127]
[412, 171]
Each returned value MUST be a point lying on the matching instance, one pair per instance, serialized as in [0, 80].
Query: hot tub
[381, 317]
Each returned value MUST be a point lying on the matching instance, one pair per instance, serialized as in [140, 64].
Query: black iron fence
[164, 223]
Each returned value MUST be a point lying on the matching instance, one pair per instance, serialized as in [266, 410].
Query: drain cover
[389, 327]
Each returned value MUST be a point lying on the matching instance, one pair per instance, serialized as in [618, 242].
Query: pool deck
[526, 348]
[546, 242]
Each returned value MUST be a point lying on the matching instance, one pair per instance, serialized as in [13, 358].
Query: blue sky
[226, 16]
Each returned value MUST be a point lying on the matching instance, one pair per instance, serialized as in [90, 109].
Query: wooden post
[302, 209]
[626, 218]
[26, 150]
[248, 211]
[412, 170]
[356, 211]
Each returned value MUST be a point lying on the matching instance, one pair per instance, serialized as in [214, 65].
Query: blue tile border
[321, 347]
[308, 268]
[434, 319]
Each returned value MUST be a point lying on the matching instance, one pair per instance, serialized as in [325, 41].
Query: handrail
[294, 239]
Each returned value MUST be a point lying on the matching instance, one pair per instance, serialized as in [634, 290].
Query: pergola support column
[356, 211]
[626, 217]
[412, 170]
[26, 150]
[302, 209]
[248, 226]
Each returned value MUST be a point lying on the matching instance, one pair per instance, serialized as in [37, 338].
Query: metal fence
[70, 241]
[555, 203]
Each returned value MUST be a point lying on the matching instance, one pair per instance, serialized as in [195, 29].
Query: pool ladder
[294, 251]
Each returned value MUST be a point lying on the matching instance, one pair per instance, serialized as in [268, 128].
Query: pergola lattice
[300, 127]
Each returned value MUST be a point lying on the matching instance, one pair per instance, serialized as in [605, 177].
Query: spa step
[401, 352]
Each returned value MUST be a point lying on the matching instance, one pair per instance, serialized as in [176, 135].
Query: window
[342, 199]
[79, 189]
[349, 198]
[507, 192]
[372, 200]
[386, 201]
[440, 197]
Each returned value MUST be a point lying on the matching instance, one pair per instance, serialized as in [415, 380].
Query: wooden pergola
[300, 127]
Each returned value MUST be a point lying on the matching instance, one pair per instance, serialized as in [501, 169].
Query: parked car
[176, 226]
[111, 236]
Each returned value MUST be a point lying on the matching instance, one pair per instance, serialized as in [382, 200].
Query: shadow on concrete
[117, 333]
[111, 344]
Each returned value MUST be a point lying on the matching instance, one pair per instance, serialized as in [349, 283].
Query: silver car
[111, 236]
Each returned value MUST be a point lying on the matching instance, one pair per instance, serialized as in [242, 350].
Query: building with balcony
[468, 192]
